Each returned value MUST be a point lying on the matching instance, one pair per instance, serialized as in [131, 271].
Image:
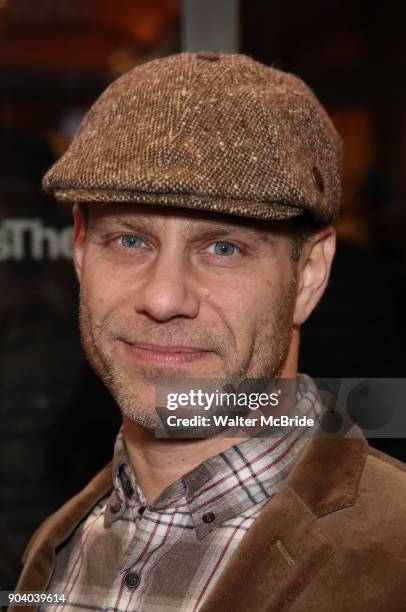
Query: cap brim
[243, 208]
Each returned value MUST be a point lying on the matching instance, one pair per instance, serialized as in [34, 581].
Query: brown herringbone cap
[210, 131]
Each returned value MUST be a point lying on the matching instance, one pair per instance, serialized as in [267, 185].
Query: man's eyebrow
[130, 223]
[211, 227]
[197, 228]
[214, 229]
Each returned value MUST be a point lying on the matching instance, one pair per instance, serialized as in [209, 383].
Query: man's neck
[160, 462]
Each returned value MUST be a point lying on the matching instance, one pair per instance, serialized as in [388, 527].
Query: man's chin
[136, 411]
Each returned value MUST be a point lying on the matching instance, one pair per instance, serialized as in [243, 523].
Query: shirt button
[208, 517]
[131, 580]
[114, 508]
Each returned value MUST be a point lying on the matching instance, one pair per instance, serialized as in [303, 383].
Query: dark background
[57, 422]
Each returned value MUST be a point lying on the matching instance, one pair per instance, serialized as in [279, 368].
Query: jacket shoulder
[385, 476]
[59, 525]
[387, 459]
[383, 486]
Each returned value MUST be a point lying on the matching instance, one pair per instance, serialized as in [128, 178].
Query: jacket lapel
[286, 547]
[39, 557]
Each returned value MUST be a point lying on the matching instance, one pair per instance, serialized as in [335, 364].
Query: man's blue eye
[224, 248]
[129, 241]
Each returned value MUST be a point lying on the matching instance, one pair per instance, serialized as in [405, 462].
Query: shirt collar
[235, 481]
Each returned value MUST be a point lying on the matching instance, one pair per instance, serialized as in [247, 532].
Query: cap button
[209, 56]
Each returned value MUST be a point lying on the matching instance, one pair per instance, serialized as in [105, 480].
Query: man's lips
[165, 354]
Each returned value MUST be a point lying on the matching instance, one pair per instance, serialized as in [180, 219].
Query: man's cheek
[100, 293]
[242, 325]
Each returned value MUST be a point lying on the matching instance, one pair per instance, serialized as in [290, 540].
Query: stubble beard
[265, 359]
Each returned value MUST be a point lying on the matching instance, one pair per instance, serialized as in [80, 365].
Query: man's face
[172, 293]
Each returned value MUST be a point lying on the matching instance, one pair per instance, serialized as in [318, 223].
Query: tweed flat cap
[209, 131]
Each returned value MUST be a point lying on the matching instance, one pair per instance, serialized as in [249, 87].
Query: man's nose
[168, 289]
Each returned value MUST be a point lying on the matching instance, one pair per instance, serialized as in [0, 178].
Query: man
[204, 187]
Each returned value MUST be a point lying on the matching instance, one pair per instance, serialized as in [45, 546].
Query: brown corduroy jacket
[332, 539]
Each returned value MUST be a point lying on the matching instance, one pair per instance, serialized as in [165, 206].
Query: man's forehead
[190, 219]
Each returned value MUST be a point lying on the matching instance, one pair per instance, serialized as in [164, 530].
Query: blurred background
[57, 422]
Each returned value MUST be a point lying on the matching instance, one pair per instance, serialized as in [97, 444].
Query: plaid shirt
[128, 555]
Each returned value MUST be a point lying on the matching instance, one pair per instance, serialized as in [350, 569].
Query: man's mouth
[165, 354]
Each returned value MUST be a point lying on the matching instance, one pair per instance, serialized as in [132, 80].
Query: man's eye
[130, 241]
[223, 248]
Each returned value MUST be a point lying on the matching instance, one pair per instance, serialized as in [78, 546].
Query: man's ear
[79, 238]
[313, 272]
